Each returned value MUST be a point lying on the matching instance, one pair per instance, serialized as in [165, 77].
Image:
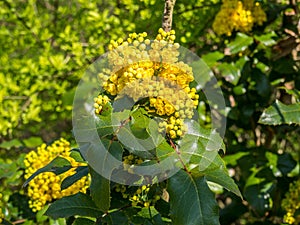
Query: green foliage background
[46, 46]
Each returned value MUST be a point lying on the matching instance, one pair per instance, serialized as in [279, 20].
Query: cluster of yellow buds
[100, 102]
[1, 212]
[141, 69]
[291, 203]
[175, 127]
[239, 16]
[131, 160]
[45, 187]
[140, 197]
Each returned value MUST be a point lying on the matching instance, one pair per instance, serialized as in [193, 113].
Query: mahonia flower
[45, 187]
[131, 160]
[140, 197]
[291, 203]
[239, 16]
[140, 69]
[100, 102]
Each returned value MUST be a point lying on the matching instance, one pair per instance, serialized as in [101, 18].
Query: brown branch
[168, 15]
[175, 147]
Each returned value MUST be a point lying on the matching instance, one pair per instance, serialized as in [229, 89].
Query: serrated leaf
[209, 139]
[279, 113]
[191, 201]
[240, 43]
[222, 178]
[199, 151]
[79, 204]
[58, 166]
[100, 190]
[81, 171]
[137, 146]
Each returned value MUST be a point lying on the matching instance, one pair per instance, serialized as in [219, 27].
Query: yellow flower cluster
[173, 126]
[239, 16]
[143, 69]
[291, 203]
[131, 160]
[100, 102]
[1, 212]
[140, 196]
[45, 187]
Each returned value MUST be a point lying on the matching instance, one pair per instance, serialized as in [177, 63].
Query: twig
[175, 147]
[168, 15]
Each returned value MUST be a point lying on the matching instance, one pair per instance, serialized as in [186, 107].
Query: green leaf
[191, 201]
[202, 73]
[79, 204]
[145, 212]
[100, 190]
[199, 151]
[104, 126]
[75, 154]
[222, 178]
[279, 113]
[286, 163]
[105, 157]
[259, 199]
[260, 83]
[231, 72]
[266, 39]
[240, 43]
[119, 218]
[33, 142]
[9, 144]
[211, 58]
[68, 97]
[83, 221]
[139, 122]
[58, 166]
[137, 146]
[232, 159]
[208, 139]
[81, 171]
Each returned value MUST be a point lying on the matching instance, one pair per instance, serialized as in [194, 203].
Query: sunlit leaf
[240, 43]
[279, 113]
